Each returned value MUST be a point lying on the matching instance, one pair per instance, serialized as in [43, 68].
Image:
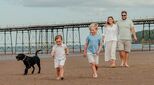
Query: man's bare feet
[126, 65]
[122, 64]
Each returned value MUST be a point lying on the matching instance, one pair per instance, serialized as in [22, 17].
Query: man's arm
[134, 33]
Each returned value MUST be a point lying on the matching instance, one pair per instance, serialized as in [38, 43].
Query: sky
[45, 12]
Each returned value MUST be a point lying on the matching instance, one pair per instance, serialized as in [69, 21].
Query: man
[125, 31]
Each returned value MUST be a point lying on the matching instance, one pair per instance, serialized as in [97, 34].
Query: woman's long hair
[107, 22]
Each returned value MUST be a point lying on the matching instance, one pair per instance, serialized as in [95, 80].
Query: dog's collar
[25, 57]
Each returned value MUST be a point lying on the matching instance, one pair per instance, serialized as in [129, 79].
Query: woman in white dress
[110, 39]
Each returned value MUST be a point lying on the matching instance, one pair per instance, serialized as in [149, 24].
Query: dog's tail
[37, 52]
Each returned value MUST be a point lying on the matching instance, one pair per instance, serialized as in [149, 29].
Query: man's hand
[135, 38]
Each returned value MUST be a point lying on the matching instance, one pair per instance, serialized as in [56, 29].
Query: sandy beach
[78, 72]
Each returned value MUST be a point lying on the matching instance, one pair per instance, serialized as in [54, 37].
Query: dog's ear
[20, 56]
[17, 57]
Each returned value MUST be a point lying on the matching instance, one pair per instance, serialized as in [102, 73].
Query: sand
[78, 72]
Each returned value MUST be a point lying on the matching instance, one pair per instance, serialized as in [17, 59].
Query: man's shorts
[93, 58]
[124, 45]
[58, 62]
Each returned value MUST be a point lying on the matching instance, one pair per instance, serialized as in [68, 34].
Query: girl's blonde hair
[93, 25]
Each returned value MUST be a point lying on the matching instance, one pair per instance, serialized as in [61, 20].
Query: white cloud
[52, 3]
[14, 2]
[81, 3]
[84, 3]
[77, 10]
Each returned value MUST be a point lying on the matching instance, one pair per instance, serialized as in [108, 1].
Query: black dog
[29, 61]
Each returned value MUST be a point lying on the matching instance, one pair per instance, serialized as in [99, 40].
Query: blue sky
[42, 12]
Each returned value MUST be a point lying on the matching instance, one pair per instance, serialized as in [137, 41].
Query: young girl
[110, 40]
[59, 52]
[92, 48]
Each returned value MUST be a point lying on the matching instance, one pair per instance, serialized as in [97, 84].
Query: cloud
[63, 11]
[52, 3]
[86, 3]
[83, 3]
[93, 7]
[14, 2]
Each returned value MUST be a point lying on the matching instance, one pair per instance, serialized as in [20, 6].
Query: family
[115, 35]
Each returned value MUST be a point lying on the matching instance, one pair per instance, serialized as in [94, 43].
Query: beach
[78, 72]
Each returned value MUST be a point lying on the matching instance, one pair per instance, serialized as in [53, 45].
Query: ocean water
[32, 49]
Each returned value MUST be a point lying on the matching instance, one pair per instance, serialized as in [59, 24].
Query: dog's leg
[33, 69]
[38, 64]
[26, 71]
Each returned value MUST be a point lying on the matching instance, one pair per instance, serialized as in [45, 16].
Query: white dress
[110, 40]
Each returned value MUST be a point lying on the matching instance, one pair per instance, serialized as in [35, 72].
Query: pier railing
[27, 39]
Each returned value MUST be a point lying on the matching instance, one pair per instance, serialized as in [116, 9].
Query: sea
[76, 48]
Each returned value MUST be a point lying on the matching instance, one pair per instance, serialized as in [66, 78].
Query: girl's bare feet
[58, 78]
[95, 76]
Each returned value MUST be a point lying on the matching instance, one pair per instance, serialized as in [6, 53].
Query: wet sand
[77, 71]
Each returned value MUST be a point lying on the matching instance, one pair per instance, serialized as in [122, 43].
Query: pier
[27, 39]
